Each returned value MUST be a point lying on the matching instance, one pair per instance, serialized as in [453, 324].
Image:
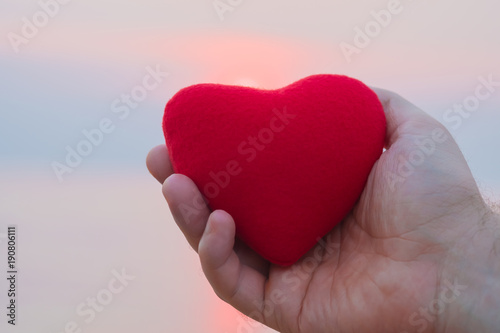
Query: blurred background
[68, 68]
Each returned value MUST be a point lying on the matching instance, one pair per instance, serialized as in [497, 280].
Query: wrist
[470, 281]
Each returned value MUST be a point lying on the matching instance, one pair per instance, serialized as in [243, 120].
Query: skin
[413, 241]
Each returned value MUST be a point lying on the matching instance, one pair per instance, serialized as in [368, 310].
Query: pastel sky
[65, 79]
[108, 213]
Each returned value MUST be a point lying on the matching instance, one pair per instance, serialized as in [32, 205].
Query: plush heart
[287, 164]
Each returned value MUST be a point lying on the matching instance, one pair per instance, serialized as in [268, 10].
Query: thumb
[404, 119]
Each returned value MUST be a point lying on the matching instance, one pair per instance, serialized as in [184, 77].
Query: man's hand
[418, 253]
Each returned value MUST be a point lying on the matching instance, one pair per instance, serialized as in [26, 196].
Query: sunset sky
[108, 213]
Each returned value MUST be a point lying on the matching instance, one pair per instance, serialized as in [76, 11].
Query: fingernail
[209, 229]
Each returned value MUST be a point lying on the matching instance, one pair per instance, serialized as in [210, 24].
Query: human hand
[419, 248]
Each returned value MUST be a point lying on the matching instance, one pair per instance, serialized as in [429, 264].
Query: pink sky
[110, 213]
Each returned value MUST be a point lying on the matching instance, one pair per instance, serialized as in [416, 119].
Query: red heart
[287, 164]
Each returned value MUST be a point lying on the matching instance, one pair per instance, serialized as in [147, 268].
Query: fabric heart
[287, 164]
